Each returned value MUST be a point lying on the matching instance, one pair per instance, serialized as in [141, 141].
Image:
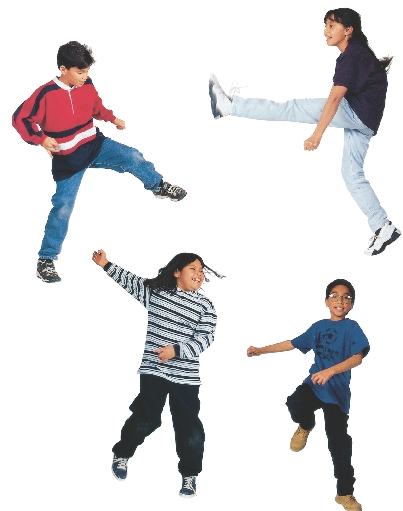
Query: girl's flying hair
[349, 18]
[166, 279]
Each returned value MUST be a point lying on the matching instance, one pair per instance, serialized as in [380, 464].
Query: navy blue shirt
[332, 342]
[361, 73]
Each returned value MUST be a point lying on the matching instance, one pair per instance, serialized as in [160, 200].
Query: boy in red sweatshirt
[64, 109]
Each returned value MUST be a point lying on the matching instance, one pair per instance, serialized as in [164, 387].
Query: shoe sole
[118, 478]
[166, 197]
[47, 281]
[396, 233]
[187, 496]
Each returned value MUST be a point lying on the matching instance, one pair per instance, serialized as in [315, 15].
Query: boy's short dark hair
[74, 54]
[341, 282]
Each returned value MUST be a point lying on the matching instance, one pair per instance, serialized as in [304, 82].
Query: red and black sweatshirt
[65, 114]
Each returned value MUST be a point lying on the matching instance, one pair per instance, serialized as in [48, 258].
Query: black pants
[302, 405]
[146, 418]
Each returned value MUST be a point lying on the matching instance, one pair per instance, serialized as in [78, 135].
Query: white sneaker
[221, 103]
[382, 238]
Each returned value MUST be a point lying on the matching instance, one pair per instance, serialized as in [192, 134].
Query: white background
[277, 221]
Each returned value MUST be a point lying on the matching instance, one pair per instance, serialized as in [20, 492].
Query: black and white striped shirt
[185, 320]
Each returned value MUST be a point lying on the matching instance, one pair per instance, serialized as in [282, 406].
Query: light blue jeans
[356, 141]
[113, 155]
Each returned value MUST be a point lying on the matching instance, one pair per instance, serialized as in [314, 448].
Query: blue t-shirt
[360, 72]
[332, 342]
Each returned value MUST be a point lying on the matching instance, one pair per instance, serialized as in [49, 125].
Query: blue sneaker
[188, 489]
[119, 467]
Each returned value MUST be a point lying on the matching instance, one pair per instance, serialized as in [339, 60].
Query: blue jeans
[356, 141]
[302, 406]
[113, 155]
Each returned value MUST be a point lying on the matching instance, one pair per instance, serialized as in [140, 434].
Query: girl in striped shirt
[181, 325]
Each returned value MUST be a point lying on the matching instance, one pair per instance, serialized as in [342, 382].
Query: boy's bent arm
[271, 348]
[324, 376]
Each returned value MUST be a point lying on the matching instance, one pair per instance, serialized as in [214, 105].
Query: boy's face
[191, 277]
[74, 77]
[339, 304]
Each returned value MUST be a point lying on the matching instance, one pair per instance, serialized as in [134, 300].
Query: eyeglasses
[344, 298]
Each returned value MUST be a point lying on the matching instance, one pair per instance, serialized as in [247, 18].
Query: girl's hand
[99, 258]
[253, 352]
[312, 143]
[120, 125]
[165, 353]
[322, 377]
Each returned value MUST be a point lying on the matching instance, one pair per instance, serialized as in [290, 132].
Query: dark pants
[146, 418]
[302, 405]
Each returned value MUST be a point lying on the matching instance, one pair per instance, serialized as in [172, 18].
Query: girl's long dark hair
[166, 279]
[349, 18]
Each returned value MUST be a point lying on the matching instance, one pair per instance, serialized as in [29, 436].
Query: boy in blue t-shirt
[339, 345]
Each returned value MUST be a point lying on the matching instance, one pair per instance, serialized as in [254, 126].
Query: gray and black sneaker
[188, 489]
[46, 271]
[168, 191]
[119, 467]
[382, 238]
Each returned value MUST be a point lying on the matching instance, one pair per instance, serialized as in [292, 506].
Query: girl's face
[337, 34]
[191, 277]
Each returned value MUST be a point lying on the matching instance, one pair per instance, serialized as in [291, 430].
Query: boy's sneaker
[348, 502]
[299, 438]
[381, 239]
[221, 103]
[46, 271]
[188, 489]
[119, 467]
[168, 191]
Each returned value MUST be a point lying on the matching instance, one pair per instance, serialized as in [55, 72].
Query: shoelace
[188, 483]
[122, 463]
[50, 269]
[235, 88]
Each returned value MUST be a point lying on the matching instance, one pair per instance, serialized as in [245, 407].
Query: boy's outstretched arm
[272, 348]
[324, 376]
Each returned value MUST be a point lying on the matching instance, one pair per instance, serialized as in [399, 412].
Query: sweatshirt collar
[63, 85]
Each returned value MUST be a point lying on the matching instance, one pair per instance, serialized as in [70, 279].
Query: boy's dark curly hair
[74, 54]
[341, 282]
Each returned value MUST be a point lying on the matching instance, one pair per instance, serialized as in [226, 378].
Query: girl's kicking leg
[146, 418]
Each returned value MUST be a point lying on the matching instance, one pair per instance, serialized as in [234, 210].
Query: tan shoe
[299, 438]
[348, 502]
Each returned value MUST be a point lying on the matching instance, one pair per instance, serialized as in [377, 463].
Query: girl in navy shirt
[355, 103]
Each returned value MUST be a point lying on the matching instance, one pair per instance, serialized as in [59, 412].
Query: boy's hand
[120, 125]
[51, 146]
[99, 258]
[322, 377]
[253, 352]
[312, 143]
[165, 353]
